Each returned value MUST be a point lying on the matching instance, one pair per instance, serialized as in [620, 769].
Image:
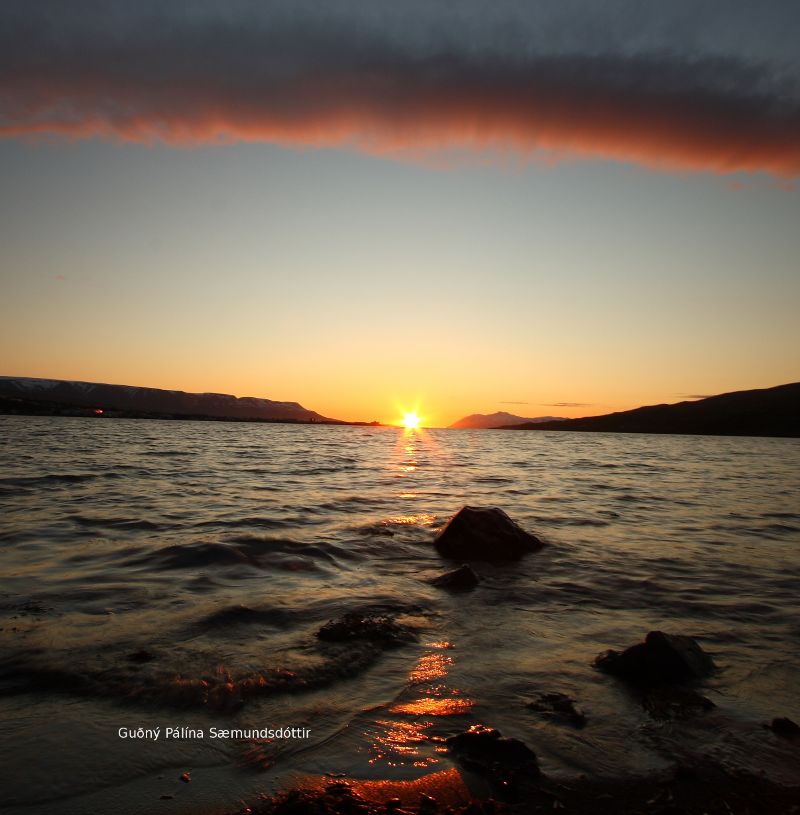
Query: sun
[411, 421]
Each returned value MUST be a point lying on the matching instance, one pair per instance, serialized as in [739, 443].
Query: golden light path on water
[412, 444]
[405, 739]
[401, 741]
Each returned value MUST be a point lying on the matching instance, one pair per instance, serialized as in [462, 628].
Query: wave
[139, 676]
[248, 550]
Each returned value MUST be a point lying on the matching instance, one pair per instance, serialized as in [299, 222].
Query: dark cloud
[567, 404]
[206, 73]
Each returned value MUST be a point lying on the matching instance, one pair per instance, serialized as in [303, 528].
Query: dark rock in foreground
[484, 533]
[785, 727]
[661, 659]
[357, 626]
[560, 707]
[461, 579]
[506, 762]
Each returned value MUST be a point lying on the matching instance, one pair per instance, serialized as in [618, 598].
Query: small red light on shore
[98, 412]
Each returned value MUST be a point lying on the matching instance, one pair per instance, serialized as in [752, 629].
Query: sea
[173, 575]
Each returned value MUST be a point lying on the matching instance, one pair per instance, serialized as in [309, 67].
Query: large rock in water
[660, 659]
[484, 533]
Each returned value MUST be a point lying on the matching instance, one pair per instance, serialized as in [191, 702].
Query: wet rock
[785, 727]
[340, 787]
[670, 702]
[342, 801]
[357, 626]
[484, 750]
[484, 533]
[660, 659]
[560, 707]
[461, 579]
[427, 804]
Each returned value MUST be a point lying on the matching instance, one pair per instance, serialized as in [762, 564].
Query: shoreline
[13, 406]
[704, 788]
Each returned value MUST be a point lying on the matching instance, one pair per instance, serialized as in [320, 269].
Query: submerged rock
[357, 626]
[484, 750]
[560, 707]
[670, 702]
[461, 579]
[660, 659]
[484, 533]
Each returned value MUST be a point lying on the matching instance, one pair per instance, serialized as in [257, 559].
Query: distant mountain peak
[498, 419]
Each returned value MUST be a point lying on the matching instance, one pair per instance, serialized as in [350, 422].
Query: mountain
[763, 412]
[499, 419]
[25, 394]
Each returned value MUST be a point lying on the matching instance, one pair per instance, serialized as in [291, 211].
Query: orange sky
[460, 210]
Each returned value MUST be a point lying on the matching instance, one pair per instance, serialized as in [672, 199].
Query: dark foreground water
[174, 574]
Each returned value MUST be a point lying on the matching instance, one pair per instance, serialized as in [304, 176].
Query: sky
[554, 208]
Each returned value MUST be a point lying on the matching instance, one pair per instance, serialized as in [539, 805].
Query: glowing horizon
[437, 412]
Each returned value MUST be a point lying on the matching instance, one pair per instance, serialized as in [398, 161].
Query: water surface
[161, 574]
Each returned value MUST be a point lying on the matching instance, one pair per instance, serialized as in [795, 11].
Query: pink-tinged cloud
[227, 83]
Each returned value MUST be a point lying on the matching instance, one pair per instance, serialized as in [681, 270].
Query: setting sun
[411, 421]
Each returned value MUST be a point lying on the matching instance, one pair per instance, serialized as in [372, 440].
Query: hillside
[762, 412]
[26, 395]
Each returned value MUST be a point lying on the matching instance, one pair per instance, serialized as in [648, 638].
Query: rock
[661, 659]
[785, 727]
[358, 626]
[484, 533]
[461, 579]
[339, 786]
[484, 750]
[558, 706]
[427, 804]
[669, 702]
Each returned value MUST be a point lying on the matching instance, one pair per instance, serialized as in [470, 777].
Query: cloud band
[297, 83]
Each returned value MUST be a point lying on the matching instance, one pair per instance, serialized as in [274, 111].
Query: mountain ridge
[140, 399]
[771, 411]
